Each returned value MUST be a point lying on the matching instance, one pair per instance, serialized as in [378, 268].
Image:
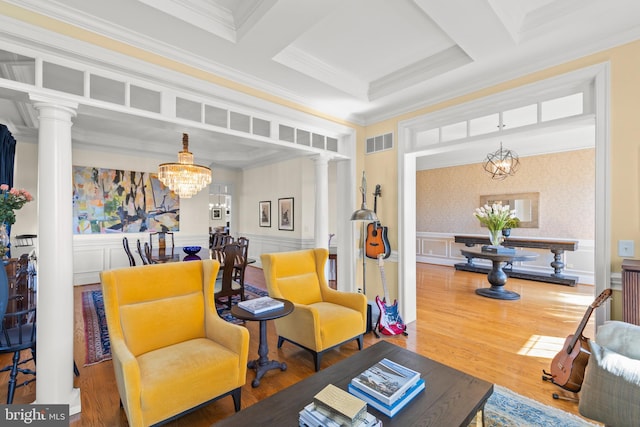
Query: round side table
[263, 364]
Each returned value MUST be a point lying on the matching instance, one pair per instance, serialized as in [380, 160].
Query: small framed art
[216, 213]
[285, 214]
[264, 212]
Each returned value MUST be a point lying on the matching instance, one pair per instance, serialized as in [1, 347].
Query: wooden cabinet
[21, 297]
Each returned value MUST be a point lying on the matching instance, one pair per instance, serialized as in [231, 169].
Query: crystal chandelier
[184, 178]
[502, 163]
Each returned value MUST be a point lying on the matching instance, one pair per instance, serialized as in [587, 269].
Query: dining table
[177, 253]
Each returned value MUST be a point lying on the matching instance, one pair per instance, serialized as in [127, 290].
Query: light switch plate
[626, 248]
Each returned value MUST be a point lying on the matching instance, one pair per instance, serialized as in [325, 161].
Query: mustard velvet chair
[171, 351]
[323, 318]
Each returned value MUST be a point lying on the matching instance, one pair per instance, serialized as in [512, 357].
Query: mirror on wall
[525, 204]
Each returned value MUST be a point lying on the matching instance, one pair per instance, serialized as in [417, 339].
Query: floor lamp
[363, 215]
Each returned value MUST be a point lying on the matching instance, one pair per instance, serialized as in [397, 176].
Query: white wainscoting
[440, 248]
[95, 253]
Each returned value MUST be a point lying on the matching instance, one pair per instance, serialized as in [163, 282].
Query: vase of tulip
[496, 218]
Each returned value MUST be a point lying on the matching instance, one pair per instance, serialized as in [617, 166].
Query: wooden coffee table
[451, 398]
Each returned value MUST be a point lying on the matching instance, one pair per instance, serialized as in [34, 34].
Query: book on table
[393, 409]
[260, 305]
[386, 381]
[339, 405]
[311, 417]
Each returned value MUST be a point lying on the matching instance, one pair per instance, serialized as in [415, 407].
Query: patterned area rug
[506, 408]
[96, 335]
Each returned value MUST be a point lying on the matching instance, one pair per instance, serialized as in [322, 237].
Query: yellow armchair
[323, 318]
[171, 351]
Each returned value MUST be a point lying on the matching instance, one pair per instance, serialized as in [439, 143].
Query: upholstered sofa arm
[302, 326]
[233, 337]
[611, 388]
[127, 374]
[621, 337]
[354, 301]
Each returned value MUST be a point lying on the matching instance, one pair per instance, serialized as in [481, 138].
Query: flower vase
[496, 238]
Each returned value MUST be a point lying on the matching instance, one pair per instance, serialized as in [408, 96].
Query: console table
[557, 248]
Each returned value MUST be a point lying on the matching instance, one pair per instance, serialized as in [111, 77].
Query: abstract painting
[119, 201]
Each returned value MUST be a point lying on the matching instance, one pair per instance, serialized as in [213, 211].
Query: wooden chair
[161, 238]
[143, 255]
[241, 260]
[226, 286]
[219, 240]
[125, 243]
[17, 333]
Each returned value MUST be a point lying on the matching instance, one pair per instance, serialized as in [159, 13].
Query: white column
[321, 231]
[55, 255]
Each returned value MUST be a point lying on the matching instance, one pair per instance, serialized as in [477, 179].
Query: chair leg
[236, 395]
[317, 357]
[12, 377]
[280, 342]
[360, 340]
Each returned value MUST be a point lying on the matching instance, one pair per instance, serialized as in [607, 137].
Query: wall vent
[379, 143]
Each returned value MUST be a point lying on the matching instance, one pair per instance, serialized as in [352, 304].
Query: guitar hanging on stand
[568, 366]
[389, 322]
[377, 241]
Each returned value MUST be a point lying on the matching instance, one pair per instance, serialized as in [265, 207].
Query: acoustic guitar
[568, 366]
[377, 242]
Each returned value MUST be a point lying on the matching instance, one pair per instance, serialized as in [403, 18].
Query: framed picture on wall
[216, 213]
[264, 214]
[285, 214]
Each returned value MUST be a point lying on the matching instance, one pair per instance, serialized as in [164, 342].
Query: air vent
[379, 143]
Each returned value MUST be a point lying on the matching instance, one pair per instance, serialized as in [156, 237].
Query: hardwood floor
[504, 342]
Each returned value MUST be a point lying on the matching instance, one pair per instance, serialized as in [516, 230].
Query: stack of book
[260, 305]
[387, 386]
[334, 407]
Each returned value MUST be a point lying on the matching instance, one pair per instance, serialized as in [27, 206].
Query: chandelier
[184, 178]
[502, 163]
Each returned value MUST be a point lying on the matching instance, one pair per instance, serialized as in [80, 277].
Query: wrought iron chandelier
[501, 163]
[184, 178]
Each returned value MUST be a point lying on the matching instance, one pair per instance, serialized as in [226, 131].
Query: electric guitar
[377, 241]
[389, 322]
[568, 366]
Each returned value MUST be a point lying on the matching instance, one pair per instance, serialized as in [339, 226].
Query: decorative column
[321, 231]
[55, 254]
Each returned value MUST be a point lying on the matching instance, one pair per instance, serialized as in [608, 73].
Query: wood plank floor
[504, 342]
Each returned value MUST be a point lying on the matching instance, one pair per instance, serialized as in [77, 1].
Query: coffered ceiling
[358, 60]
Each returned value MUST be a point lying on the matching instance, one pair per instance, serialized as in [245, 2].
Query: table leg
[263, 364]
[497, 278]
[557, 263]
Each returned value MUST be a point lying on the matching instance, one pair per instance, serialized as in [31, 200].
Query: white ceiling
[359, 60]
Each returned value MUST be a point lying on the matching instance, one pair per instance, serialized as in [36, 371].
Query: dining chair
[17, 333]
[226, 286]
[241, 260]
[125, 243]
[161, 238]
[143, 254]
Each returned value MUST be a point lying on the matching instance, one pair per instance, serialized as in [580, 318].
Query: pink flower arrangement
[11, 200]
